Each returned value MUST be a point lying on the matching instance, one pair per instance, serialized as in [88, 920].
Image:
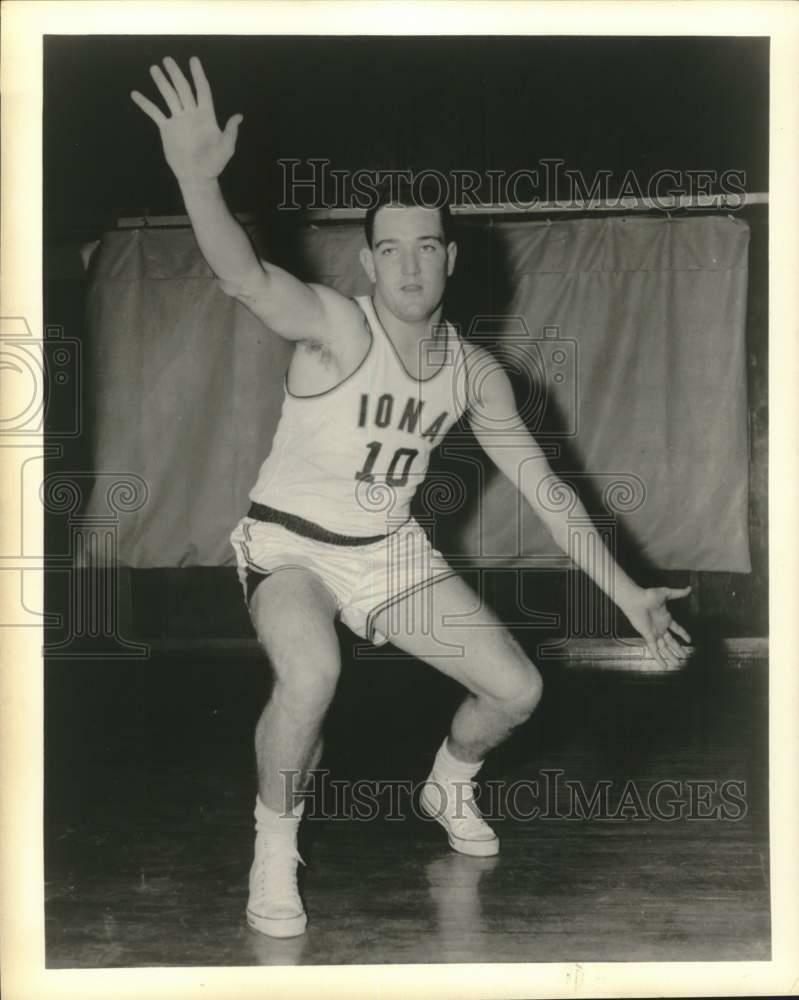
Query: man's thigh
[293, 613]
[447, 625]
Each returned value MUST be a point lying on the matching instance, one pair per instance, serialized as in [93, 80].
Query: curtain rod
[713, 202]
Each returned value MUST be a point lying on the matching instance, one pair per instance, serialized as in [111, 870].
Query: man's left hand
[650, 617]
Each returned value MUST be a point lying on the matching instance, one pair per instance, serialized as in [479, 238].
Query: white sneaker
[274, 906]
[452, 805]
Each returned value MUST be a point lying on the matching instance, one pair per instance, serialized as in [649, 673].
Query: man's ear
[368, 263]
[452, 253]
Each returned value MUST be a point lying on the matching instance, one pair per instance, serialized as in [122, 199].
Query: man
[372, 387]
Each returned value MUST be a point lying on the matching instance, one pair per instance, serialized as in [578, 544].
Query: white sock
[277, 824]
[449, 768]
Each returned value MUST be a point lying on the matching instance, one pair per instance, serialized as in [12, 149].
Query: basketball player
[373, 386]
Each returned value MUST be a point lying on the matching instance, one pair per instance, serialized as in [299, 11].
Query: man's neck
[403, 332]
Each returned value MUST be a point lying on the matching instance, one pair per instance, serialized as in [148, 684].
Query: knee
[305, 687]
[294, 624]
[527, 696]
[304, 674]
[523, 691]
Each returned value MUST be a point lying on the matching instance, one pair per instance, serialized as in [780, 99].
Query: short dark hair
[419, 191]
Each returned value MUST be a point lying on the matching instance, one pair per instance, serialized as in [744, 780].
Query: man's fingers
[674, 647]
[673, 593]
[665, 651]
[180, 83]
[166, 90]
[652, 645]
[680, 631]
[150, 109]
[204, 97]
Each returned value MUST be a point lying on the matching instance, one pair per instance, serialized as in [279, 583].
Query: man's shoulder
[477, 357]
[343, 317]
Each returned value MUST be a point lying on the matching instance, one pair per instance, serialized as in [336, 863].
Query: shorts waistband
[308, 529]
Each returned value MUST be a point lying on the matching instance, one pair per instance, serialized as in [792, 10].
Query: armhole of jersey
[372, 320]
[367, 322]
[352, 374]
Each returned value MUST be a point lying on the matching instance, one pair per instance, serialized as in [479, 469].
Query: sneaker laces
[274, 876]
[461, 809]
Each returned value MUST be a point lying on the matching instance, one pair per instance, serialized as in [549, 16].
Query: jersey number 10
[393, 477]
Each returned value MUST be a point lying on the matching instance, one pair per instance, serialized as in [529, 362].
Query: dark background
[599, 104]
[640, 104]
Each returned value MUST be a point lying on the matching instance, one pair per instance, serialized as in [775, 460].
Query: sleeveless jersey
[351, 458]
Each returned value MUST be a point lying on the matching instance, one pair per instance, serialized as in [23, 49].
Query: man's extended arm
[503, 436]
[197, 152]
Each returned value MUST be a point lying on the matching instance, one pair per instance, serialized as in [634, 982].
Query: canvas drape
[634, 329]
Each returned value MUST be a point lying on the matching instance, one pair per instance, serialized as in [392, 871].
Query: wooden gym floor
[148, 828]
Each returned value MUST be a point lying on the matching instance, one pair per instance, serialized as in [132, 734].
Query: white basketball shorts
[365, 580]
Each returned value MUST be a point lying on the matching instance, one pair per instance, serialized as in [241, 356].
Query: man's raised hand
[194, 146]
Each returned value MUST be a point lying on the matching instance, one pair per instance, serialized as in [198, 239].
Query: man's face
[409, 263]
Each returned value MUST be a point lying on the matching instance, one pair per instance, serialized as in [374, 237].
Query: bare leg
[502, 690]
[287, 749]
[293, 615]
[479, 725]
[502, 685]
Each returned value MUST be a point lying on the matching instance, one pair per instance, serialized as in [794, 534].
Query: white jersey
[350, 459]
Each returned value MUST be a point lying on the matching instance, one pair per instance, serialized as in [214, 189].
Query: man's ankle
[449, 769]
[271, 822]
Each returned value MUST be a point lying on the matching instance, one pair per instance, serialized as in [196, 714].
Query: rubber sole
[278, 927]
[473, 848]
